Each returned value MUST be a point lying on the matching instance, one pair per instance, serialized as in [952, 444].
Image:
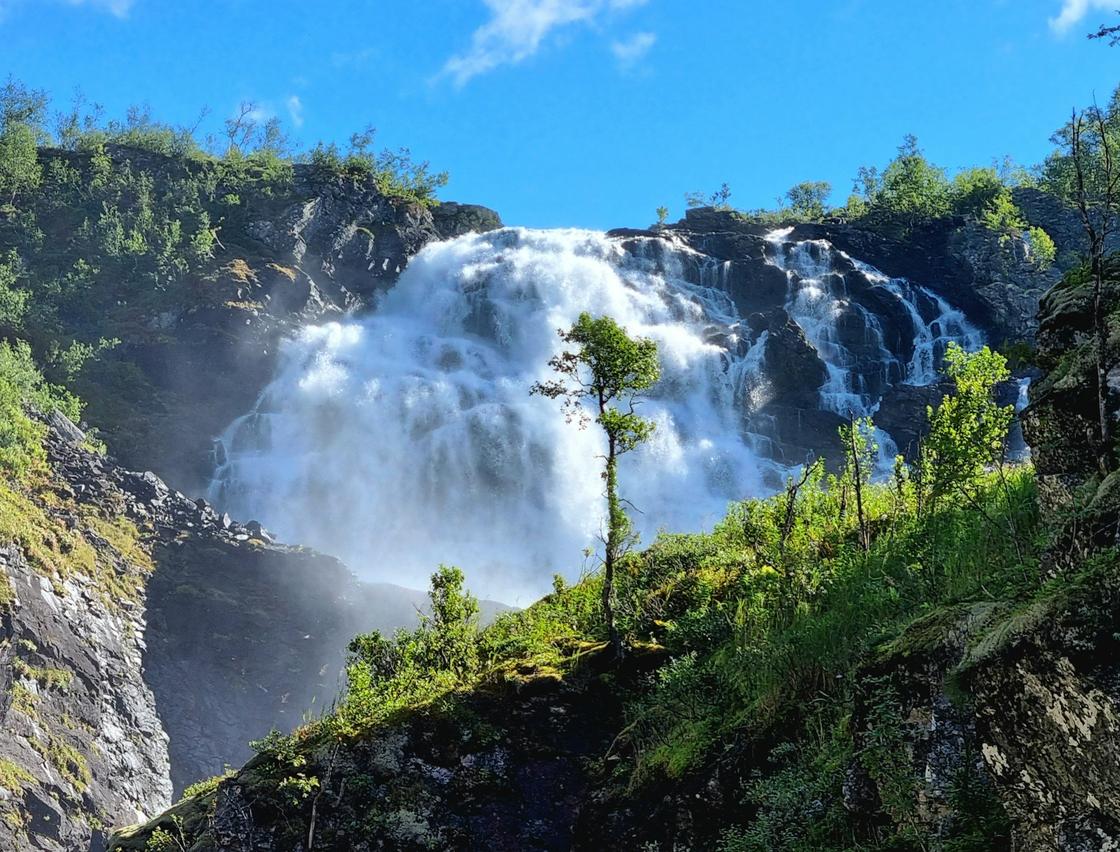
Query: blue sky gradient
[594, 112]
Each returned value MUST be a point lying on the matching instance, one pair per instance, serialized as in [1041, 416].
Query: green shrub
[22, 385]
[1042, 248]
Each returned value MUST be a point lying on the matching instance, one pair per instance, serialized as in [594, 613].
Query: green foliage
[612, 369]
[170, 839]
[207, 785]
[22, 385]
[13, 300]
[20, 172]
[796, 800]
[440, 655]
[975, 191]
[720, 199]
[1003, 216]
[1042, 248]
[122, 224]
[910, 190]
[765, 621]
[662, 215]
[1100, 138]
[395, 173]
[968, 429]
[808, 201]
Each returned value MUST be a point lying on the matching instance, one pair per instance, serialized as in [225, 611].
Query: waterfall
[825, 287]
[1017, 448]
[407, 437]
[932, 336]
[821, 303]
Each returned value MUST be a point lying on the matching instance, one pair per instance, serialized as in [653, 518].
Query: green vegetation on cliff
[759, 634]
[116, 235]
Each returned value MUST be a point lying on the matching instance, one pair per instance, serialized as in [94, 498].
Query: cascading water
[849, 338]
[407, 437]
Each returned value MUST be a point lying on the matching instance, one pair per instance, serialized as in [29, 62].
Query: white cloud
[630, 51]
[120, 8]
[517, 29]
[1074, 10]
[295, 110]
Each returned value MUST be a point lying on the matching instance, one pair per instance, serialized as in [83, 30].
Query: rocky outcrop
[511, 768]
[82, 742]
[991, 277]
[1048, 716]
[1062, 422]
[326, 244]
[145, 640]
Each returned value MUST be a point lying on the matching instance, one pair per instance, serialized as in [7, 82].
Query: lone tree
[611, 369]
[1085, 173]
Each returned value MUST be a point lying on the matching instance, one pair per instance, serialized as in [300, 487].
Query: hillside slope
[953, 687]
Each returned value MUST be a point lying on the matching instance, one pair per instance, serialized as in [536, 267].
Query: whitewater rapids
[407, 437]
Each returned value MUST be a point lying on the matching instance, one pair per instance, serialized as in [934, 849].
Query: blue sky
[594, 112]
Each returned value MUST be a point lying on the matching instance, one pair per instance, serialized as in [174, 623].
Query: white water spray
[408, 437]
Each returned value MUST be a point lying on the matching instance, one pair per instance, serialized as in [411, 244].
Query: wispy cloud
[631, 51]
[295, 110]
[518, 28]
[353, 58]
[120, 8]
[1073, 11]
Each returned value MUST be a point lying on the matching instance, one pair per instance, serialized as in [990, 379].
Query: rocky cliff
[192, 358]
[146, 640]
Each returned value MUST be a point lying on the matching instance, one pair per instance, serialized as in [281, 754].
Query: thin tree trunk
[616, 522]
[1102, 367]
[864, 538]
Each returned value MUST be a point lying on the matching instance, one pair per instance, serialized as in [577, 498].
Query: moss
[109, 551]
[66, 760]
[51, 678]
[206, 786]
[929, 634]
[52, 550]
[188, 818]
[24, 701]
[14, 777]
[7, 592]
[1059, 595]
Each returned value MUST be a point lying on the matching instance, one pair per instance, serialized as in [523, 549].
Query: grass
[66, 760]
[50, 678]
[108, 551]
[14, 777]
[762, 634]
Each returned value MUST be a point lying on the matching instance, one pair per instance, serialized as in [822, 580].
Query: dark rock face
[903, 414]
[1048, 721]
[81, 740]
[1062, 422]
[70, 678]
[508, 771]
[156, 664]
[328, 245]
[245, 637]
[990, 278]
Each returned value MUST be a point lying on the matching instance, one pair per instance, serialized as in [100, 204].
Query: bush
[21, 386]
[20, 172]
[1042, 249]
